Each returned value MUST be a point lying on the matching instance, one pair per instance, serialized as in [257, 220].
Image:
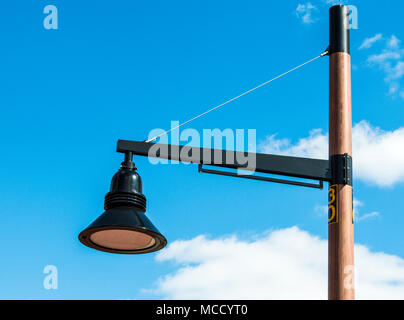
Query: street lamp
[124, 228]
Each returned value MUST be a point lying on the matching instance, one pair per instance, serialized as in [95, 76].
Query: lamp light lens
[124, 230]
[119, 239]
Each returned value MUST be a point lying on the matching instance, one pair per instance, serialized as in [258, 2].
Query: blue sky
[116, 70]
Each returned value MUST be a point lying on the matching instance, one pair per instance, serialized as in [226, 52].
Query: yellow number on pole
[333, 204]
[331, 195]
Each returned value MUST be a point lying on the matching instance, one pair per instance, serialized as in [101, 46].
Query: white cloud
[397, 71]
[314, 146]
[378, 155]
[357, 203]
[384, 57]
[361, 217]
[394, 86]
[393, 42]
[284, 264]
[305, 11]
[368, 216]
[368, 42]
[390, 61]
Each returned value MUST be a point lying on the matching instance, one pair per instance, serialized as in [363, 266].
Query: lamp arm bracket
[305, 168]
[341, 165]
[318, 185]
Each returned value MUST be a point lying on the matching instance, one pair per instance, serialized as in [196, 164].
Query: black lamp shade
[123, 230]
[124, 227]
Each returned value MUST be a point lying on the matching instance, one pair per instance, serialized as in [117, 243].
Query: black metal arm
[312, 169]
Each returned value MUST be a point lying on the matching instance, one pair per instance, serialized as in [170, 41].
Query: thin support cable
[239, 96]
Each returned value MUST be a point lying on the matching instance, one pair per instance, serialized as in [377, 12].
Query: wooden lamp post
[340, 229]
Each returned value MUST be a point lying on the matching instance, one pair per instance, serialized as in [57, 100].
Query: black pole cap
[339, 29]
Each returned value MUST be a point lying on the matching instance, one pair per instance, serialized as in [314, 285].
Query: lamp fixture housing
[124, 227]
